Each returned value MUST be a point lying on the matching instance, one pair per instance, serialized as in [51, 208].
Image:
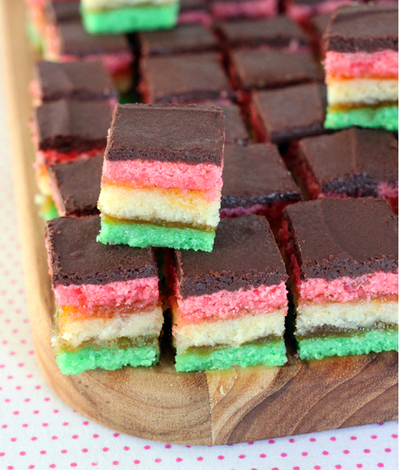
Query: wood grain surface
[158, 403]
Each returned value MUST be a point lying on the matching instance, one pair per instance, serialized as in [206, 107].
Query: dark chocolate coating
[188, 134]
[78, 185]
[368, 28]
[255, 174]
[274, 68]
[319, 23]
[68, 125]
[343, 237]
[183, 38]
[293, 112]
[58, 12]
[235, 129]
[245, 255]
[189, 5]
[275, 32]
[76, 41]
[353, 161]
[185, 78]
[74, 80]
[76, 258]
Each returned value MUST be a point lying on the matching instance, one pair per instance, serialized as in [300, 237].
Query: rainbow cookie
[351, 163]
[229, 306]
[109, 312]
[125, 16]
[343, 258]
[361, 64]
[162, 177]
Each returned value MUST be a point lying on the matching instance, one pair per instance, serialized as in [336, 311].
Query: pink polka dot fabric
[38, 431]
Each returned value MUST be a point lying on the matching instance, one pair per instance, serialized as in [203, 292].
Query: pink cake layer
[272, 212]
[52, 157]
[142, 293]
[225, 304]
[149, 173]
[247, 9]
[345, 289]
[302, 13]
[381, 64]
[191, 17]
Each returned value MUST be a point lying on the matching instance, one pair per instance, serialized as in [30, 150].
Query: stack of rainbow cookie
[361, 64]
[108, 305]
[162, 177]
[123, 16]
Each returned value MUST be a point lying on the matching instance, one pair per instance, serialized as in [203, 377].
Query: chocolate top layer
[368, 28]
[276, 32]
[76, 258]
[255, 174]
[343, 237]
[183, 38]
[68, 125]
[274, 68]
[319, 24]
[74, 40]
[188, 134]
[185, 78]
[336, 159]
[58, 12]
[293, 112]
[245, 255]
[74, 80]
[188, 5]
[235, 129]
[78, 185]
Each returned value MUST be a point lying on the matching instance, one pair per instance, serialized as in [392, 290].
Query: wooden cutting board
[158, 403]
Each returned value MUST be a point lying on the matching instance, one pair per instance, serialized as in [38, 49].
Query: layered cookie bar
[259, 68]
[279, 116]
[82, 81]
[108, 304]
[75, 186]
[162, 177]
[351, 163]
[194, 11]
[256, 181]
[184, 79]
[229, 306]
[227, 9]
[126, 16]
[344, 270]
[70, 43]
[182, 39]
[236, 131]
[280, 32]
[361, 64]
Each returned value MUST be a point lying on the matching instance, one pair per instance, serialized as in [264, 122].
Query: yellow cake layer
[232, 332]
[345, 315]
[77, 331]
[156, 204]
[366, 91]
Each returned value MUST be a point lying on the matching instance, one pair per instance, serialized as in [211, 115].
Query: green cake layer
[192, 359]
[34, 37]
[49, 211]
[385, 117]
[371, 341]
[130, 19]
[142, 235]
[87, 358]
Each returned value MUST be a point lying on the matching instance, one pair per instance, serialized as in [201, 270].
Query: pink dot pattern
[38, 431]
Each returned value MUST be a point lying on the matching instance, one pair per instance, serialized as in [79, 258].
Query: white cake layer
[117, 4]
[158, 205]
[76, 332]
[363, 91]
[232, 332]
[345, 315]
